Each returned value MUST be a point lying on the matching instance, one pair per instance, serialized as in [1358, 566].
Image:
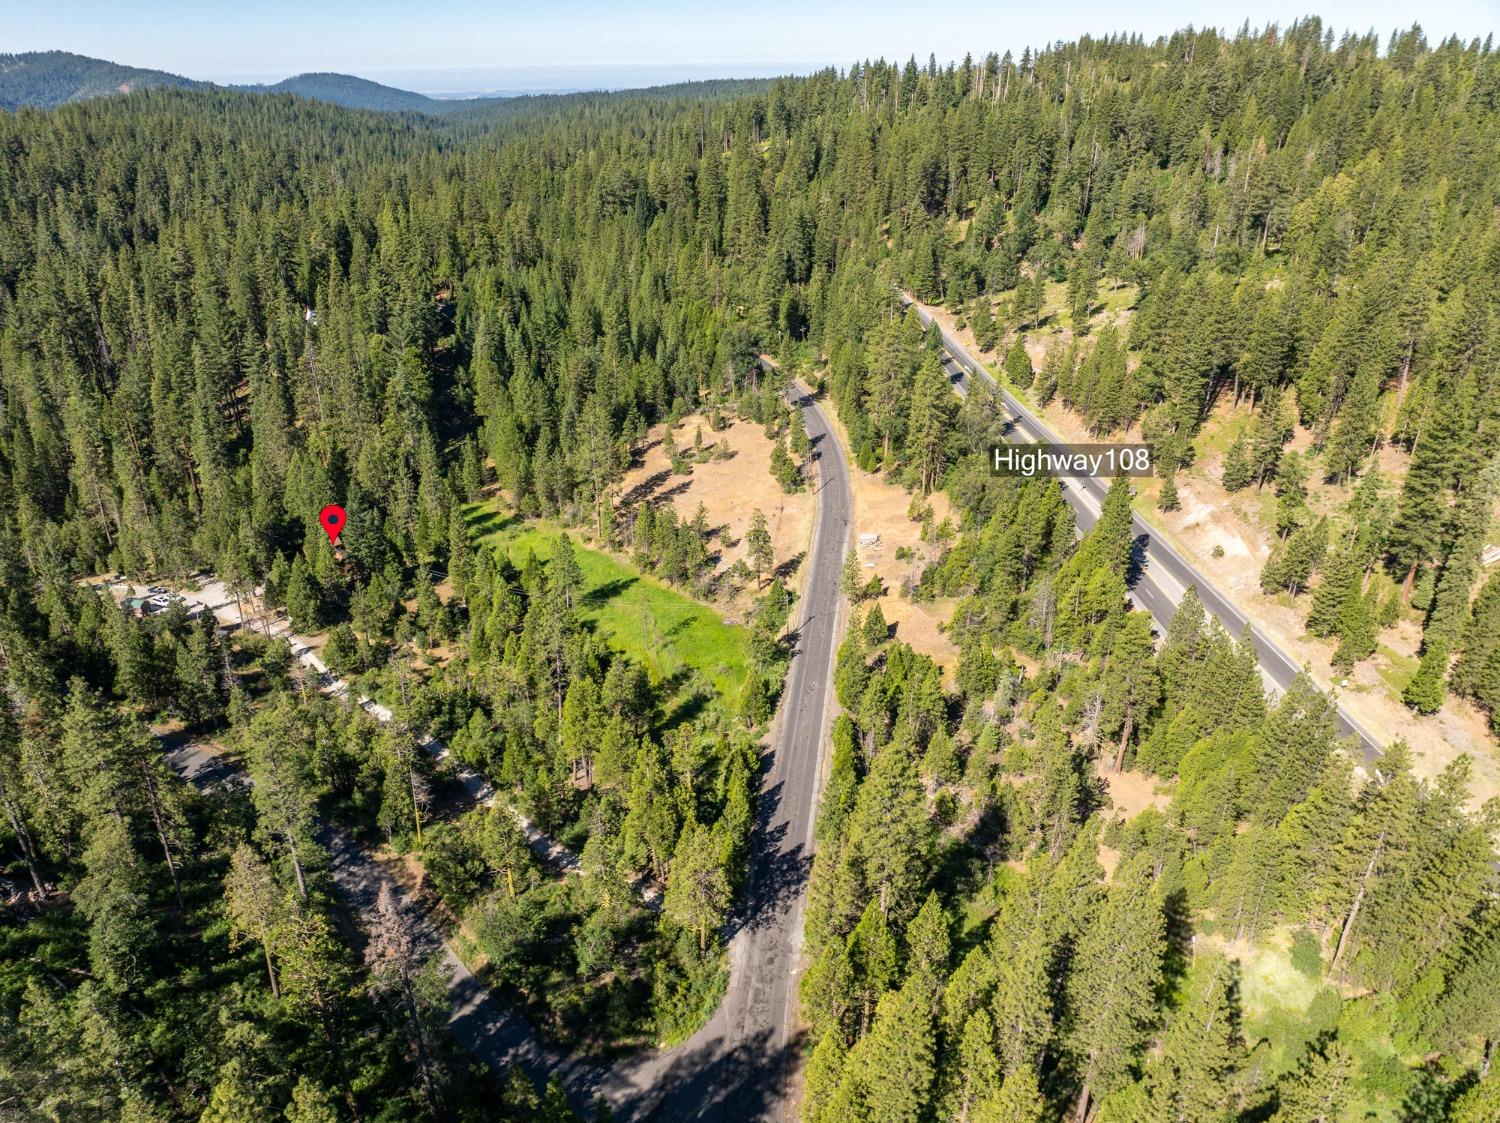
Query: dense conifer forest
[219, 311]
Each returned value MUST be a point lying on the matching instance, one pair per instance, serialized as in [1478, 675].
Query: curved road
[1163, 575]
[741, 1065]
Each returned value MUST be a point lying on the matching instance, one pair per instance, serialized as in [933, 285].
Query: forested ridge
[219, 312]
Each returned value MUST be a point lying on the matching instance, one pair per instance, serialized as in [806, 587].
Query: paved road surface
[1163, 574]
[742, 1064]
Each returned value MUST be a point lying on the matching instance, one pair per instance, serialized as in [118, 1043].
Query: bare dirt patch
[880, 507]
[729, 490]
[1131, 792]
[1241, 524]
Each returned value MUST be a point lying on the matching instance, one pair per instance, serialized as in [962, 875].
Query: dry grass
[881, 507]
[1240, 525]
[729, 490]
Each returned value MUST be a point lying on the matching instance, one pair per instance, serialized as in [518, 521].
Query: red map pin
[332, 519]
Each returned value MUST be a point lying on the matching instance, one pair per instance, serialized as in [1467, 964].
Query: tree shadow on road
[776, 875]
[747, 1082]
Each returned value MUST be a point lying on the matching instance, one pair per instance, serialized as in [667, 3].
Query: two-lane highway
[1164, 575]
[742, 1064]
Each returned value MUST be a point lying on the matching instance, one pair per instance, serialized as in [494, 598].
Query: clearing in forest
[730, 489]
[881, 508]
[666, 632]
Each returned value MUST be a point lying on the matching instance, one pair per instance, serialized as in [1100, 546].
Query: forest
[221, 310]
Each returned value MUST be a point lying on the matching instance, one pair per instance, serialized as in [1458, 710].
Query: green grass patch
[1284, 1008]
[665, 631]
[1218, 433]
[1395, 670]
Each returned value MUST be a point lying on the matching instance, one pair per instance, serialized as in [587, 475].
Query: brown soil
[1131, 792]
[1241, 524]
[729, 491]
[880, 507]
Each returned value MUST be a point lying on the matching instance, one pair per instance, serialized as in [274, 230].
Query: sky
[465, 46]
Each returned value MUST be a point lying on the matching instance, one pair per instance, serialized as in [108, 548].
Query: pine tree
[1018, 370]
[114, 897]
[237, 1097]
[1111, 991]
[1376, 839]
[1476, 675]
[930, 424]
[1480, 1104]
[890, 834]
[1018, 1101]
[1112, 539]
[975, 1072]
[697, 896]
[1445, 623]
[1249, 890]
[1083, 283]
[1131, 684]
[758, 546]
[873, 961]
[255, 905]
[1355, 431]
[1167, 500]
[311, 1103]
[898, 1058]
[824, 1071]
[1357, 632]
[828, 991]
[1192, 1081]
[1340, 576]
[928, 946]
[852, 582]
[1293, 748]
[1321, 1089]
[1428, 687]
[986, 332]
[1422, 509]
[399, 971]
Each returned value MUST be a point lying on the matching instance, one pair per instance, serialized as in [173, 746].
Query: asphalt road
[1161, 575]
[741, 1065]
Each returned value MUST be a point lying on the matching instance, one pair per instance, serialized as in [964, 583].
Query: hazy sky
[463, 44]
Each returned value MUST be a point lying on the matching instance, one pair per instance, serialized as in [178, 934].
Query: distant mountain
[50, 78]
[355, 93]
[46, 79]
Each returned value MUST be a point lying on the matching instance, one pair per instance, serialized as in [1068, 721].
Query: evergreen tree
[758, 546]
[898, 1058]
[930, 424]
[1192, 1081]
[1110, 991]
[1321, 1089]
[1167, 500]
[1018, 1101]
[1341, 578]
[1018, 370]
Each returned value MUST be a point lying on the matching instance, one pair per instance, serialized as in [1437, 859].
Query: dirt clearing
[880, 508]
[729, 490]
